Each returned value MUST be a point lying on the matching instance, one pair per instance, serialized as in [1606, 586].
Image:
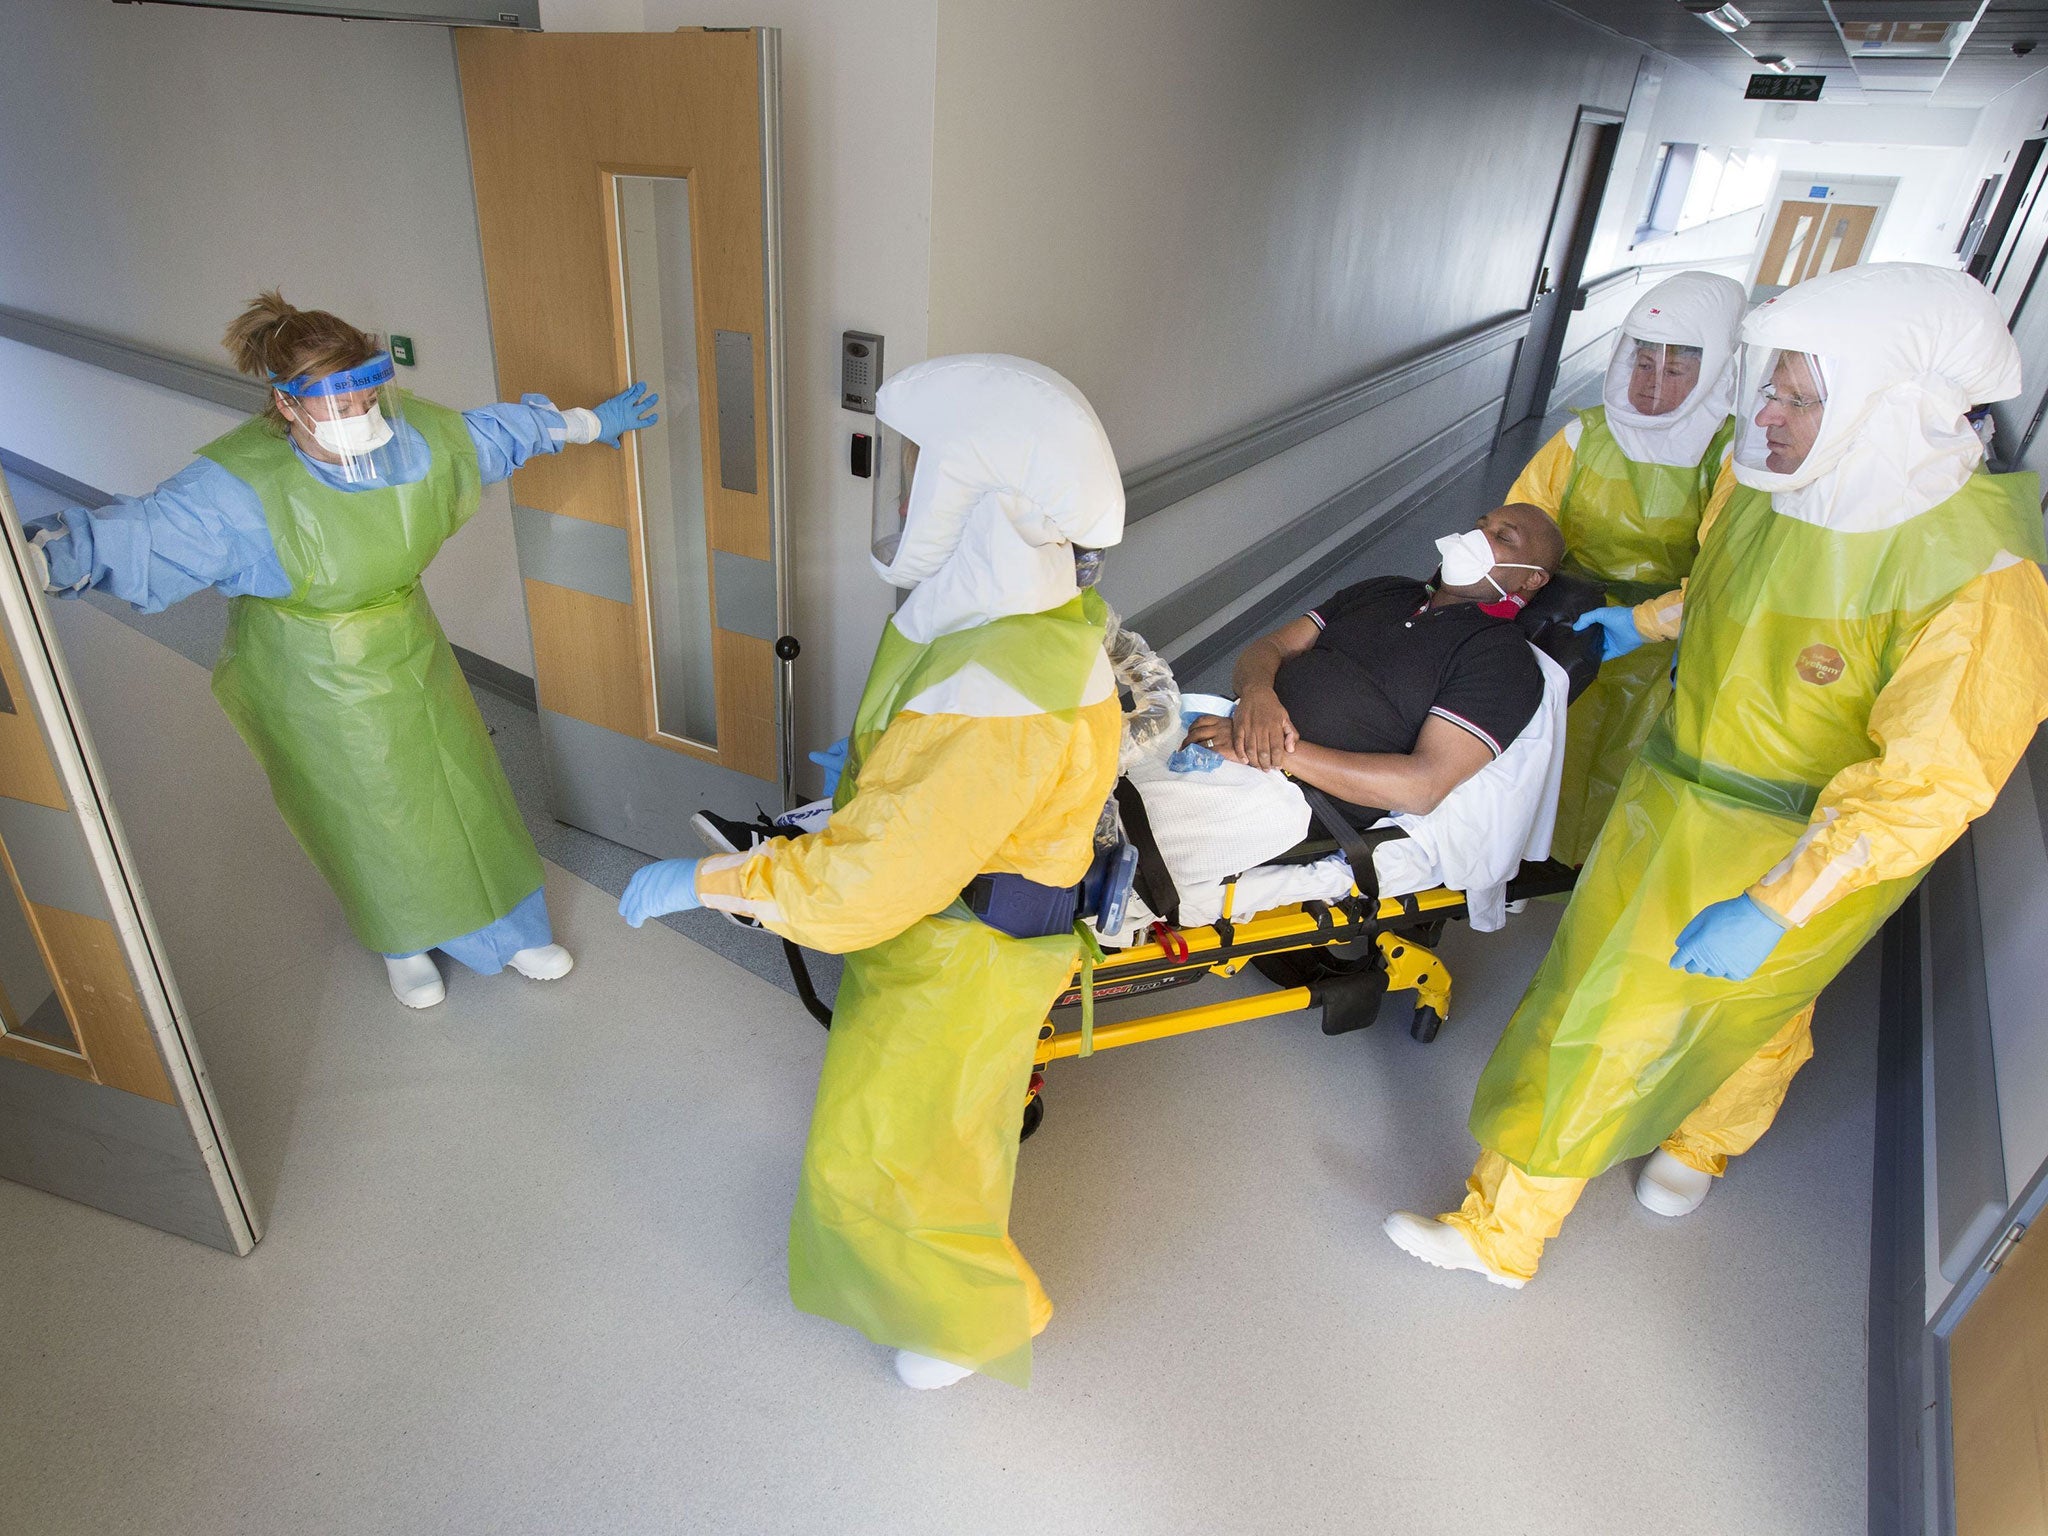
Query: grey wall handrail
[1158, 485]
[207, 381]
[1600, 287]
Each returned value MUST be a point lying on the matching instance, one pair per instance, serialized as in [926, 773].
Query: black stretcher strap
[1154, 881]
[1357, 846]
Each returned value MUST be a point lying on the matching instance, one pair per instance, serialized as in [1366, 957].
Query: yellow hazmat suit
[986, 741]
[1864, 659]
[1627, 482]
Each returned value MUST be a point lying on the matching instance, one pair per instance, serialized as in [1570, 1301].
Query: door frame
[2022, 183]
[1538, 368]
[50, 686]
[2026, 1214]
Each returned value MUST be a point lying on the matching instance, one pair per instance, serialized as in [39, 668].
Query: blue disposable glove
[628, 411]
[1730, 939]
[1618, 632]
[833, 761]
[658, 889]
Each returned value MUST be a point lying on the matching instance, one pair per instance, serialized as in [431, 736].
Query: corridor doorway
[1809, 238]
[1556, 292]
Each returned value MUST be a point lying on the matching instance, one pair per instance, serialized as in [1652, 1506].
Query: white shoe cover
[1669, 1187]
[925, 1373]
[546, 962]
[1439, 1243]
[416, 981]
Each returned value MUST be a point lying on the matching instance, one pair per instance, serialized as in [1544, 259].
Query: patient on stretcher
[1417, 704]
[1430, 706]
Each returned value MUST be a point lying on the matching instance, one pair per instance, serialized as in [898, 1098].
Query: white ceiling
[1804, 31]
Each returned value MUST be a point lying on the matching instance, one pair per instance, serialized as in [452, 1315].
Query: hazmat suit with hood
[986, 741]
[1865, 658]
[1627, 481]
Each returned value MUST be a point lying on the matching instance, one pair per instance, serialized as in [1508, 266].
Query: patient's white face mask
[1468, 558]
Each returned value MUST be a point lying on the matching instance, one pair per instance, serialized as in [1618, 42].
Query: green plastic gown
[1791, 631]
[901, 1225]
[1634, 528]
[351, 699]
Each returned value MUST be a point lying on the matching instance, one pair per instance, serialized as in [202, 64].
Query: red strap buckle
[1172, 941]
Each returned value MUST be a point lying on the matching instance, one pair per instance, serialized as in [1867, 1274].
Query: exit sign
[1784, 87]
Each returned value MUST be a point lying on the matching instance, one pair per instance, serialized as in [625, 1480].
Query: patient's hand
[1213, 732]
[1261, 731]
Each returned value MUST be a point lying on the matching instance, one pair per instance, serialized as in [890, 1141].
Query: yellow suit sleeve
[1661, 618]
[936, 799]
[1543, 479]
[1949, 727]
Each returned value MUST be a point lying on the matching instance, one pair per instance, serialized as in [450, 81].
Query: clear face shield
[353, 419]
[1780, 402]
[1654, 377]
[895, 467]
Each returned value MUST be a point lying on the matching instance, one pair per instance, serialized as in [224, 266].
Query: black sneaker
[722, 834]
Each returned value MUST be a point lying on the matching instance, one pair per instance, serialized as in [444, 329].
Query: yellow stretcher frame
[1225, 947]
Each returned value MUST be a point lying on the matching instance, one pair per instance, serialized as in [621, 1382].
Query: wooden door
[1811, 238]
[1998, 1394]
[103, 1098]
[626, 190]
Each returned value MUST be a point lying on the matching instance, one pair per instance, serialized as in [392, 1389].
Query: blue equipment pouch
[1024, 909]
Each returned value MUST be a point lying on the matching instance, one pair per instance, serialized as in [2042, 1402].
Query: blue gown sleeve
[507, 435]
[200, 528]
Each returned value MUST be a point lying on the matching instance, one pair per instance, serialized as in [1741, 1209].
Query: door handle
[1543, 283]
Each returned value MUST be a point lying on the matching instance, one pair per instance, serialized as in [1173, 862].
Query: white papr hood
[1693, 309]
[1013, 469]
[1904, 352]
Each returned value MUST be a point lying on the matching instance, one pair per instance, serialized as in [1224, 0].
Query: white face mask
[352, 436]
[1468, 558]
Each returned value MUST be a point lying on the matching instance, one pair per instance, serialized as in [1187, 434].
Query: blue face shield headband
[373, 374]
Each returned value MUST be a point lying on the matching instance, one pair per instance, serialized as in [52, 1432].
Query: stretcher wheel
[1034, 1116]
[1426, 1023]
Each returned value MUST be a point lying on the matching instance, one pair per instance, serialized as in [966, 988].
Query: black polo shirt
[1386, 661]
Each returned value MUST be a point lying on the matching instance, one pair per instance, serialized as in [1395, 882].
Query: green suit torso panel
[1634, 528]
[351, 699]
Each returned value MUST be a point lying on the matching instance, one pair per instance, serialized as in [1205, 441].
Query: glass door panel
[656, 275]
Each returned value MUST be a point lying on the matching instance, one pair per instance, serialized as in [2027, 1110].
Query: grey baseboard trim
[1432, 462]
[117, 1151]
[85, 495]
[496, 677]
[1153, 487]
[205, 381]
[1900, 1359]
[1969, 1154]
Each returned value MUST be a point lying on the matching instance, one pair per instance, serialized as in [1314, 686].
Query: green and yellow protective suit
[985, 742]
[902, 1216]
[1627, 482]
[1855, 683]
[1634, 528]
